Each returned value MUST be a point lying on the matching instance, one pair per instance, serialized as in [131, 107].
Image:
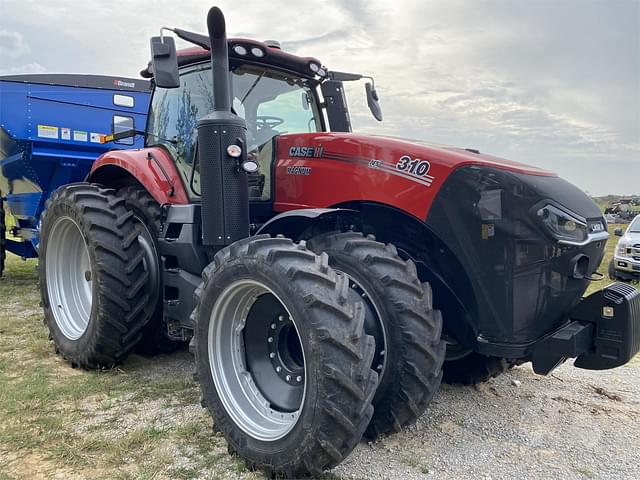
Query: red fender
[152, 167]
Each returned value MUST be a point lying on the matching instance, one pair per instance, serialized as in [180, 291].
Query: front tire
[292, 403]
[147, 214]
[474, 368]
[612, 271]
[410, 352]
[92, 276]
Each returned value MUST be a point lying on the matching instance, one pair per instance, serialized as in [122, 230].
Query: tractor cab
[275, 92]
[271, 101]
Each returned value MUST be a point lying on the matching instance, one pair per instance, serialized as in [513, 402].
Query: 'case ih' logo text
[306, 152]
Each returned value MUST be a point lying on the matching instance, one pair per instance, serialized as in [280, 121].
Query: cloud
[23, 69]
[12, 44]
[550, 83]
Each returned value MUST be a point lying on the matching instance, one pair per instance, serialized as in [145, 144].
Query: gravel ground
[574, 424]
[143, 420]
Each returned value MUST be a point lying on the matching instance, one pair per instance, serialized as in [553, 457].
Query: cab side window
[174, 115]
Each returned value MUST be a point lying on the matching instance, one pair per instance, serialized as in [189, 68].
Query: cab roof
[273, 57]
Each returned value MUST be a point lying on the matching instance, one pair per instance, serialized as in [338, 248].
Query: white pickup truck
[626, 261]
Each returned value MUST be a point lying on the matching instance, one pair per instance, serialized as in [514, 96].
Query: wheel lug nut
[278, 369]
[270, 339]
[298, 379]
[288, 377]
[272, 355]
[280, 318]
[273, 326]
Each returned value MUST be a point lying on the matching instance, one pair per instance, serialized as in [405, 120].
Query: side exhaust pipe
[221, 151]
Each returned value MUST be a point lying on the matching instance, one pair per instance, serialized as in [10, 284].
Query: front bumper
[627, 268]
[603, 332]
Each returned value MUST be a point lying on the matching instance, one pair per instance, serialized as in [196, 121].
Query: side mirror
[373, 101]
[618, 232]
[164, 62]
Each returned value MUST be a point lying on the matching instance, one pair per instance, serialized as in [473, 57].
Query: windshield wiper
[252, 87]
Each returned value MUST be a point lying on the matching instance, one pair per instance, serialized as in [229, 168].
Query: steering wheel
[268, 122]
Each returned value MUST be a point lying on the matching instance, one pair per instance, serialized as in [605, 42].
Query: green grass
[138, 421]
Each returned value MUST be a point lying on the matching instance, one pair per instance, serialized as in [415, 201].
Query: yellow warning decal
[47, 131]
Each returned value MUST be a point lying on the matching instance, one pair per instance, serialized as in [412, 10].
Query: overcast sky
[554, 83]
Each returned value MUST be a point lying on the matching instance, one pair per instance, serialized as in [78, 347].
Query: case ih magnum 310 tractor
[327, 281]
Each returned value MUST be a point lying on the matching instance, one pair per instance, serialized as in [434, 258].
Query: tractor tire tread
[142, 205]
[347, 384]
[401, 400]
[474, 369]
[118, 265]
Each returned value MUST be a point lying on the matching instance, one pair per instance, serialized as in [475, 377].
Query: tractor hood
[385, 168]
[390, 151]
[454, 156]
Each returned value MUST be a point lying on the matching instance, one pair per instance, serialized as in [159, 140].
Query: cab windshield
[635, 225]
[271, 102]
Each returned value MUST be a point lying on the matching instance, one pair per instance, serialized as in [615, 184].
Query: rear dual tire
[324, 419]
[92, 276]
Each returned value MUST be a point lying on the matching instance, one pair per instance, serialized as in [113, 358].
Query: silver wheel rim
[69, 278]
[242, 399]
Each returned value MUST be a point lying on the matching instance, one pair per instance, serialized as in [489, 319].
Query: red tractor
[327, 281]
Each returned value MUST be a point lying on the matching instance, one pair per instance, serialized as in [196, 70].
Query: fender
[152, 167]
[413, 240]
[293, 223]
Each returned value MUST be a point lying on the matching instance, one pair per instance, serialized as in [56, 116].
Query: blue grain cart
[50, 127]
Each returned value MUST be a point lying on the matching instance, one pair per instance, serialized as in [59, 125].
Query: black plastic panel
[336, 105]
[183, 258]
[521, 280]
[224, 187]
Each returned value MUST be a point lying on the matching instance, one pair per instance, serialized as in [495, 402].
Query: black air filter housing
[225, 195]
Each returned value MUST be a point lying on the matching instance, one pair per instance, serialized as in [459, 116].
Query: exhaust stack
[224, 187]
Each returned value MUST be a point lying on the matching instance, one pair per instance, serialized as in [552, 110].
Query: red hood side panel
[324, 169]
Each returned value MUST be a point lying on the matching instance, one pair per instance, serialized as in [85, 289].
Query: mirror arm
[373, 82]
[162, 29]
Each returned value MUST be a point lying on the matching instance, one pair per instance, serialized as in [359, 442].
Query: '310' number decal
[413, 166]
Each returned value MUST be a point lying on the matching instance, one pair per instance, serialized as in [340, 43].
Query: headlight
[621, 249]
[562, 225]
